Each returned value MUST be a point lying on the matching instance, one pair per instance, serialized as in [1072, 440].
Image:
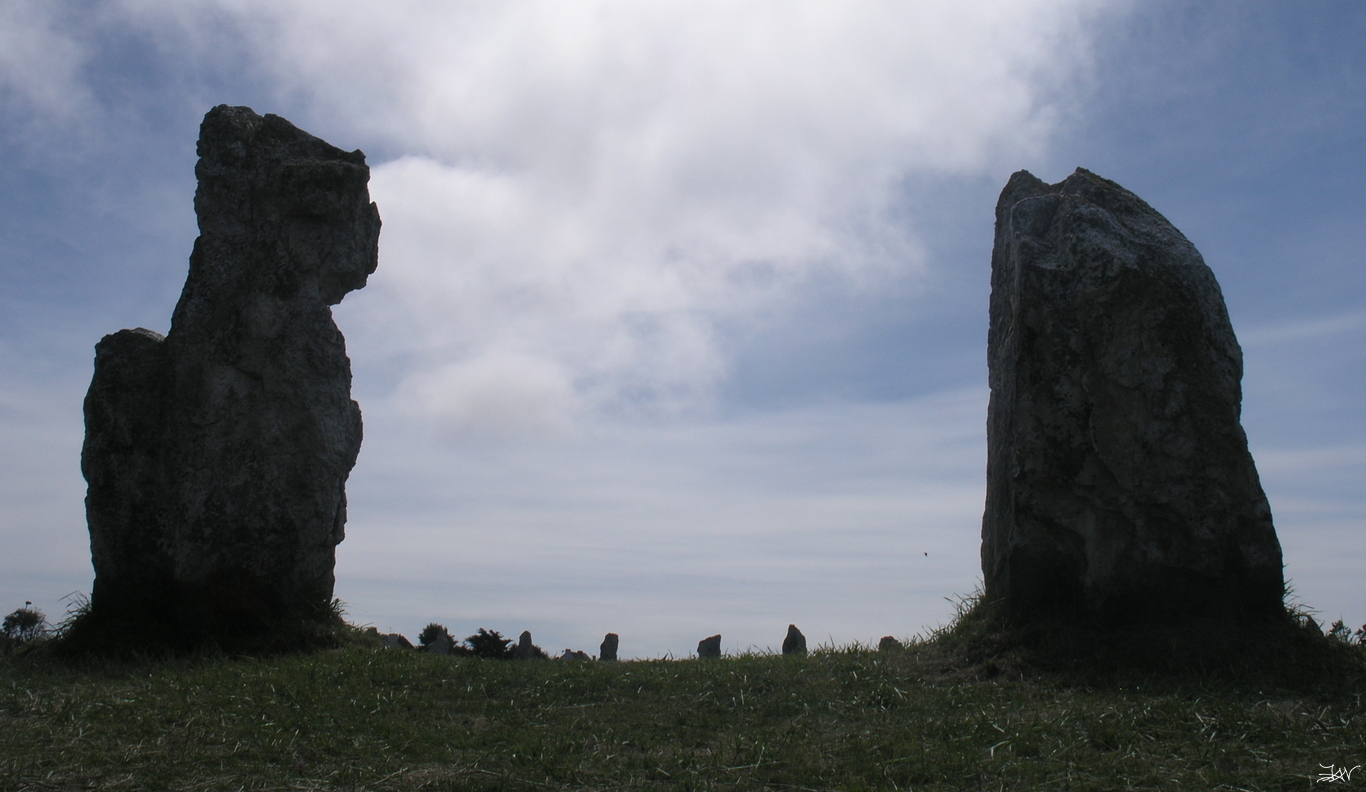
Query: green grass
[932, 717]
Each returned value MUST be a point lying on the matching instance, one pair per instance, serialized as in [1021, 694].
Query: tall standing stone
[525, 649]
[217, 457]
[608, 650]
[1119, 482]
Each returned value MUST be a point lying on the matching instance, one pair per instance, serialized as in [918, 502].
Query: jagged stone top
[280, 212]
[1105, 214]
[1098, 230]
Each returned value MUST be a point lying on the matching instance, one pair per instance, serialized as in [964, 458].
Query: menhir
[1119, 483]
[217, 456]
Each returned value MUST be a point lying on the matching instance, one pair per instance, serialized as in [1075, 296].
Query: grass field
[930, 717]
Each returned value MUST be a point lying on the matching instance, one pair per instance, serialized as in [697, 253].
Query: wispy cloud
[41, 62]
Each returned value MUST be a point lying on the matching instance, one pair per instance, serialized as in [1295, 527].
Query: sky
[679, 326]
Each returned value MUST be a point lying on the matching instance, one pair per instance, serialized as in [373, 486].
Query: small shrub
[490, 644]
[432, 633]
[1343, 634]
[25, 624]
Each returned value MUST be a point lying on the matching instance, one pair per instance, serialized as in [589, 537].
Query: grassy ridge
[363, 718]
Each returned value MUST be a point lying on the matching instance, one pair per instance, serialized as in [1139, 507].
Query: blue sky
[679, 325]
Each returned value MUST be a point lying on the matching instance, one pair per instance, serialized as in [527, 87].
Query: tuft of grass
[968, 708]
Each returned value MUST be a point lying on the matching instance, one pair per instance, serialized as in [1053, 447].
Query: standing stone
[889, 643]
[525, 649]
[709, 647]
[1119, 482]
[795, 642]
[397, 641]
[608, 650]
[217, 456]
[440, 645]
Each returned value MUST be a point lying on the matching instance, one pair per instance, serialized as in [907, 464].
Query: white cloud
[40, 62]
[603, 186]
[493, 397]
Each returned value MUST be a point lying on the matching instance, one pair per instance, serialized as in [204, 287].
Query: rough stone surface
[217, 456]
[709, 647]
[608, 650]
[1119, 482]
[795, 642]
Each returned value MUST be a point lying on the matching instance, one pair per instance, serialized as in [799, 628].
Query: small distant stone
[889, 644]
[525, 650]
[608, 650]
[395, 641]
[440, 645]
[795, 642]
[709, 647]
